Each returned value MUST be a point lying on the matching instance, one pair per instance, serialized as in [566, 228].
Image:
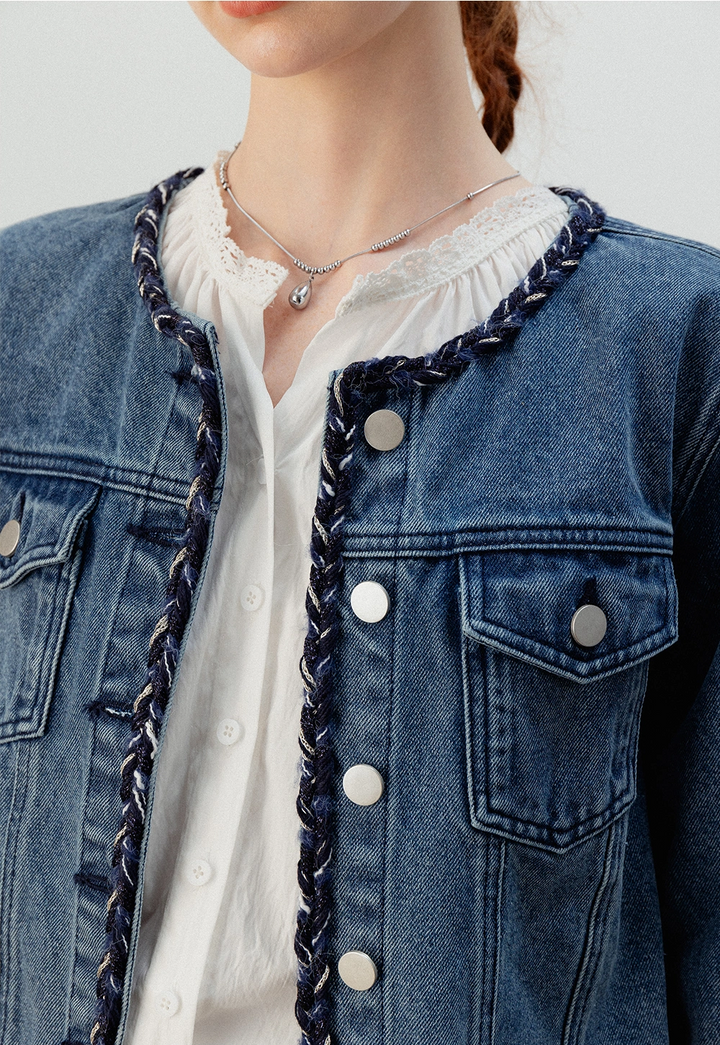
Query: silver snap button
[9, 537]
[363, 785]
[370, 602]
[384, 430]
[357, 970]
[588, 625]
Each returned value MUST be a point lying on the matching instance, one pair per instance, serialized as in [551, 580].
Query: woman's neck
[371, 143]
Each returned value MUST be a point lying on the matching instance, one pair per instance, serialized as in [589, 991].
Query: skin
[361, 123]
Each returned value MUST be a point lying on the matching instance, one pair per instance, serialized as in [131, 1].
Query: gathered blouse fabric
[216, 963]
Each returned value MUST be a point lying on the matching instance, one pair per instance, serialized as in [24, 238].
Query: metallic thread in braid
[150, 705]
[354, 384]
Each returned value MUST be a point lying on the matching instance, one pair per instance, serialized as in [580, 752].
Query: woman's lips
[245, 8]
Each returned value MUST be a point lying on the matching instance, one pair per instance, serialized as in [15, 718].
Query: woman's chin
[279, 39]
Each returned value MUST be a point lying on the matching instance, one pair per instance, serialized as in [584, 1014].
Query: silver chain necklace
[299, 296]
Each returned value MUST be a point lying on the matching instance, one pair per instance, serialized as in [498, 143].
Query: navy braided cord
[150, 706]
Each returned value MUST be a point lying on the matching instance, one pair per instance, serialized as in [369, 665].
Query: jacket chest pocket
[555, 656]
[41, 522]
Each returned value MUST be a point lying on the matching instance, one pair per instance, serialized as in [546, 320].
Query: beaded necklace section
[199, 207]
[352, 386]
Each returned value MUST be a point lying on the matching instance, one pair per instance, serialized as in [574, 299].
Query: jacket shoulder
[697, 260]
[667, 289]
[53, 246]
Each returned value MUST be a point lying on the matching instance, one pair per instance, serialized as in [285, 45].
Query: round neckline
[412, 273]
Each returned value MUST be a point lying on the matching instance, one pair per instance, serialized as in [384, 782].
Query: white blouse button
[363, 785]
[199, 872]
[167, 1002]
[357, 970]
[384, 430]
[229, 731]
[370, 601]
[251, 598]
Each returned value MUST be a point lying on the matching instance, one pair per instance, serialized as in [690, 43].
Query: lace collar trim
[413, 273]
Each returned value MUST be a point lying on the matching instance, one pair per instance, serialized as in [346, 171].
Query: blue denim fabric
[544, 865]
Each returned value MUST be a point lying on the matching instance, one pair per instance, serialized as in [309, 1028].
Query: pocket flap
[523, 603]
[49, 512]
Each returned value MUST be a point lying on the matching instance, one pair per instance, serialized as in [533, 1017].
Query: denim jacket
[540, 696]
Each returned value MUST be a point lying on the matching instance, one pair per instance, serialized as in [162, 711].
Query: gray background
[102, 99]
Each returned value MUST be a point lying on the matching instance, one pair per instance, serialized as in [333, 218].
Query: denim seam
[452, 546]
[100, 475]
[24, 750]
[412, 411]
[92, 740]
[619, 230]
[388, 746]
[467, 698]
[583, 976]
[490, 913]
[613, 810]
[631, 738]
[529, 528]
[486, 843]
[479, 549]
[493, 865]
[616, 657]
[502, 845]
[616, 860]
[383, 892]
[4, 933]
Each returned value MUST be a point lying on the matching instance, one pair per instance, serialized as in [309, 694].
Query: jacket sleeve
[680, 738]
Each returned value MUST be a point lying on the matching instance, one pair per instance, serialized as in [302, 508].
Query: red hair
[490, 33]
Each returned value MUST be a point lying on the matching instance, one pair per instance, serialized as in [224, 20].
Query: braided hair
[490, 34]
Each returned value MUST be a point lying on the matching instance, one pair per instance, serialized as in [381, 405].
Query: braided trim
[351, 386]
[151, 704]
[314, 798]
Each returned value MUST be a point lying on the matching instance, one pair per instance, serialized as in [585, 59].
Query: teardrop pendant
[299, 297]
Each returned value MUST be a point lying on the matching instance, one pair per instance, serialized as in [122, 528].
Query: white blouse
[215, 962]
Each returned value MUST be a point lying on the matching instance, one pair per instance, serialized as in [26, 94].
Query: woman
[512, 406]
